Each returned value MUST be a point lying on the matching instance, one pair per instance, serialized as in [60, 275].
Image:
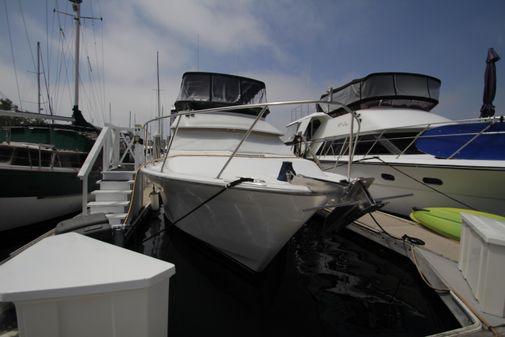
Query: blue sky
[298, 48]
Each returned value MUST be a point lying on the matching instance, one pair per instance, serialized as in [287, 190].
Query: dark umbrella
[487, 109]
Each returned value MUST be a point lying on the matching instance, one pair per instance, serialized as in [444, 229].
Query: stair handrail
[100, 143]
[109, 140]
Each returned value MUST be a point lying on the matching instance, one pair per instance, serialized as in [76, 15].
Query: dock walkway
[437, 262]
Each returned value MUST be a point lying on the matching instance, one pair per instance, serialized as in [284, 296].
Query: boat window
[434, 88]
[195, 88]
[252, 92]
[225, 89]
[312, 128]
[70, 160]
[333, 148]
[402, 140]
[368, 144]
[34, 157]
[5, 154]
[45, 158]
[57, 162]
[21, 157]
[379, 85]
[408, 85]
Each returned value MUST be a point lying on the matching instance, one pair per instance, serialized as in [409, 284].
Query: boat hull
[30, 195]
[249, 225]
[22, 211]
[478, 188]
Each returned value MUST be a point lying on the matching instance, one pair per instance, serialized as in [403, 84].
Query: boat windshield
[210, 90]
[399, 90]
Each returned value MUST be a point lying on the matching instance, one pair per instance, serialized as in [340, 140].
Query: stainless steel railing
[263, 106]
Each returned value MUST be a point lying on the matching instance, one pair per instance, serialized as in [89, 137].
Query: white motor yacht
[228, 180]
[428, 159]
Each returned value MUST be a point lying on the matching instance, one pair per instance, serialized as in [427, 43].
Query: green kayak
[446, 221]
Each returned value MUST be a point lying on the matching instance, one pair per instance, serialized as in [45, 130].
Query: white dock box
[71, 285]
[482, 261]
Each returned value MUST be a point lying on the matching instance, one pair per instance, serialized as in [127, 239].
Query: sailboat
[39, 161]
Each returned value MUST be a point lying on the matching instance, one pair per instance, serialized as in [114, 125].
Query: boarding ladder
[113, 197]
[118, 177]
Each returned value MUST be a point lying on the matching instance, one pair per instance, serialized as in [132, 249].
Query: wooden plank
[397, 227]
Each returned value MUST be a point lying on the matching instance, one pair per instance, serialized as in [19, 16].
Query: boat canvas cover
[405, 90]
[201, 90]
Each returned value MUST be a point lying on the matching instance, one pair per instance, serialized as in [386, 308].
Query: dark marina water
[12, 239]
[344, 285]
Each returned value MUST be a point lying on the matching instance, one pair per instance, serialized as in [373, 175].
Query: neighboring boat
[39, 161]
[405, 147]
[38, 171]
[229, 181]
[447, 221]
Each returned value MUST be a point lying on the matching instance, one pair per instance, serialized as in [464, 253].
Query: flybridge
[203, 90]
[398, 90]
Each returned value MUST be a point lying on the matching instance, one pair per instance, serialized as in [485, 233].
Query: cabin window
[225, 89]
[45, 158]
[366, 145]
[369, 145]
[34, 157]
[70, 160]
[5, 154]
[252, 92]
[402, 140]
[21, 157]
[333, 148]
[312, 128]
[197, 90]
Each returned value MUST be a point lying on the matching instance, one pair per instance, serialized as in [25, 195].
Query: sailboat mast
[158, 79]
[38, 78]
[76, 6]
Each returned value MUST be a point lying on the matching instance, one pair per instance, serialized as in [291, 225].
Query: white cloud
[219, 25]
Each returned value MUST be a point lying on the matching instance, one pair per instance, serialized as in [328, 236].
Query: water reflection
[343, 285]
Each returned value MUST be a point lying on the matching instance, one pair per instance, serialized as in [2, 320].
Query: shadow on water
[344, 285]
[12, 239]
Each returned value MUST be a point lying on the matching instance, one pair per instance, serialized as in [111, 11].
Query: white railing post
[115, 146]
[85, 195]
[106, 151]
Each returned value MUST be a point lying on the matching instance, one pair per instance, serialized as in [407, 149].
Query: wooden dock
[398, 227]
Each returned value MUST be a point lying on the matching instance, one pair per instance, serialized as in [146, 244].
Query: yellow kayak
[446, 221]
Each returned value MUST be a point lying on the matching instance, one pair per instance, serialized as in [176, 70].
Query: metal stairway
[113, 197]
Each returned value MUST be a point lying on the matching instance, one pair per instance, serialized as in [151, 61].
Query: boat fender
[79, 222]
[155, 200]
[93, 225]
